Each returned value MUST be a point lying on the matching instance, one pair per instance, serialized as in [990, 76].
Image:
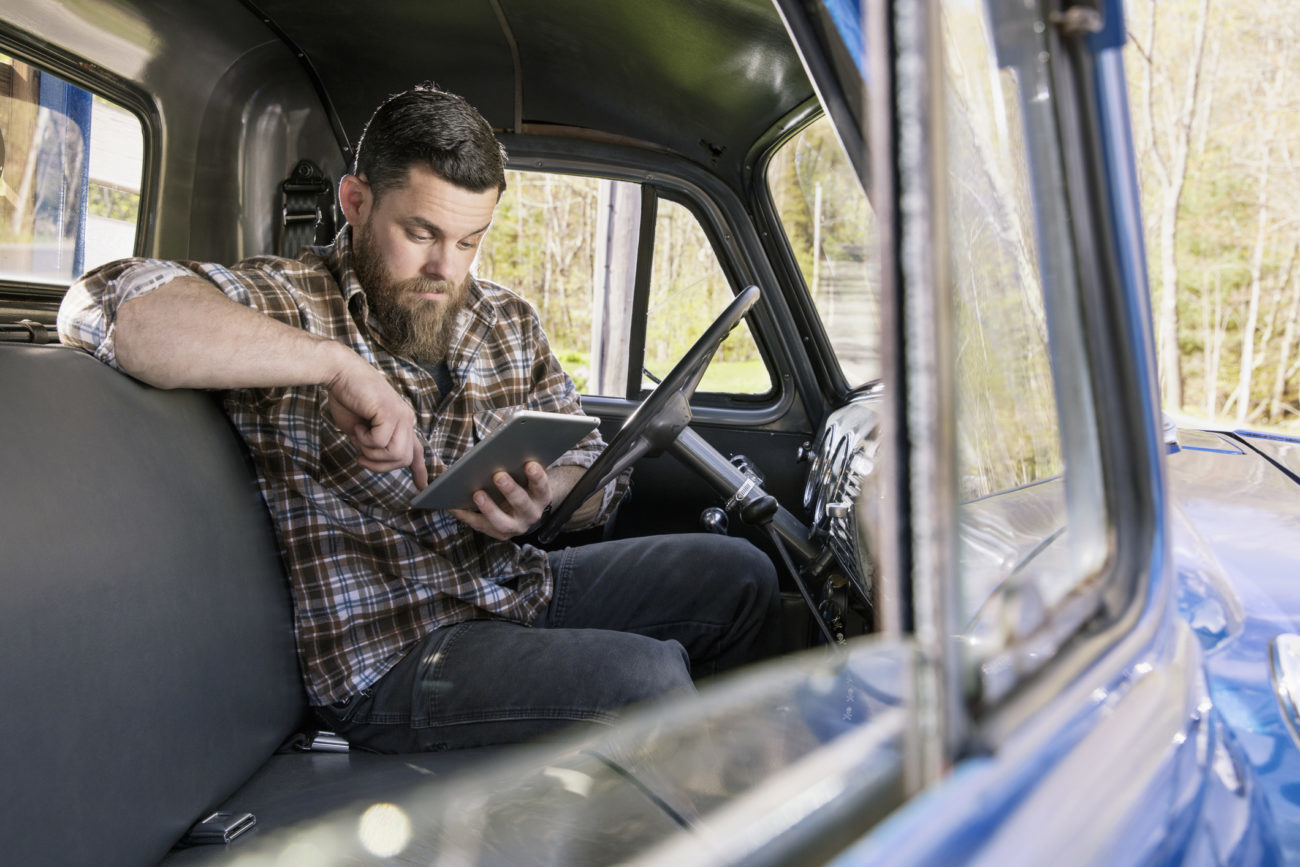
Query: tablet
[525, 436]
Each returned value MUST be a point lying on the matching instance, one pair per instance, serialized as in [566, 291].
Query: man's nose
[435, 262]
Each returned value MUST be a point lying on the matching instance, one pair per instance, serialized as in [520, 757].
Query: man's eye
[421, 237]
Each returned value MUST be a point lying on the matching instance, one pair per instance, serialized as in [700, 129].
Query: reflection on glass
[1007, 429]
[1007, 424]
[739, 765]
[1032, 533]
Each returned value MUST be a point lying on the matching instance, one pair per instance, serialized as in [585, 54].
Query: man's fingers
[489, 520]
[379, 423]
[419, 469]
[520, 502]
[539, 483]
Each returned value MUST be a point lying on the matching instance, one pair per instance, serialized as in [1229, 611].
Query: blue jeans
[629, 620]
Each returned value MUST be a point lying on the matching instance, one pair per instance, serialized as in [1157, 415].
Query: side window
[687, 290]
[1033, 524]
[70, 175]
[1008, 435]
[570, 245]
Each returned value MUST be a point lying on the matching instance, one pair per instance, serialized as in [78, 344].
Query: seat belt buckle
[218, 828]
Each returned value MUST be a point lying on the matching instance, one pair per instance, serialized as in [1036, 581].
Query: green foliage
[1236, 232]
[112, 203]
[543, 245]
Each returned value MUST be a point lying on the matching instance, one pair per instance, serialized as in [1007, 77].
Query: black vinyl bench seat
[149, 669]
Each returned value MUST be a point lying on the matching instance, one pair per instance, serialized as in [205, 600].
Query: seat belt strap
[308, 216]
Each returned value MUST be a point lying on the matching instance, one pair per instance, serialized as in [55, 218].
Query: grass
[722, 377]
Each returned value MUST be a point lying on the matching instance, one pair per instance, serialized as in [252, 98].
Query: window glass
[1007, 429]
[1033, 534]
[569, 244]
[832, 232]
[70, 179]
[541, 246]
[688, 290]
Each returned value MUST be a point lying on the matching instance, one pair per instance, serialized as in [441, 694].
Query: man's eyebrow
[434, 228]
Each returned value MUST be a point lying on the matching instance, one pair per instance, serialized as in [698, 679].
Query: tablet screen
[525, 436]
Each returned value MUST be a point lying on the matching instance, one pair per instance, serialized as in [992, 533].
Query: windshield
[832, 233]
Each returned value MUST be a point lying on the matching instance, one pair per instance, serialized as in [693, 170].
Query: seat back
[147, 665]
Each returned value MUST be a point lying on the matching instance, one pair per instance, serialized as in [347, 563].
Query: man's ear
[355, 200]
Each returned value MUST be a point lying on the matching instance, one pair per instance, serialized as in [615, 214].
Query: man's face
[413, 249]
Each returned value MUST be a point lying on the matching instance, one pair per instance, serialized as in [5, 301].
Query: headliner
[702, 78]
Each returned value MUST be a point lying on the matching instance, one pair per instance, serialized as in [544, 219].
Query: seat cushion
[298, 787]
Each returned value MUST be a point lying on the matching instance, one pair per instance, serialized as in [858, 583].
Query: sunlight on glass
[384, 830]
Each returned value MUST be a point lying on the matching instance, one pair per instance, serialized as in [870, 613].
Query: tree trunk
[1288, 339]
[1172, 174]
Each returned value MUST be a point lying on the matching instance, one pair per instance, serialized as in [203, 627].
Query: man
[359, 371]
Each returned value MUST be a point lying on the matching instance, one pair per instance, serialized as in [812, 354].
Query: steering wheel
[654, 424]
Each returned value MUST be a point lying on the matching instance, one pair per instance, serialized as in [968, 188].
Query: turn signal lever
[759, 510]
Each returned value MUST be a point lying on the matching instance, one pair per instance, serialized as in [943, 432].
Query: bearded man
[360, 370]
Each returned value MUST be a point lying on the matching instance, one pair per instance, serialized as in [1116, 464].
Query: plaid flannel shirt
[370, 577]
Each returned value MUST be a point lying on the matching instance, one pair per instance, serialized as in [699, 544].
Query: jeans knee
[745, 566]
[659, 668]
[732, 559]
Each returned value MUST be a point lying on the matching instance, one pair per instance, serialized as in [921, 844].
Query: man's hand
[380, 424]
[522, 507]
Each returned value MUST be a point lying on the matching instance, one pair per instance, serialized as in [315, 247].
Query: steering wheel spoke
[660, 418]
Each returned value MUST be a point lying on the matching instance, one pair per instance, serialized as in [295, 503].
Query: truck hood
[1235, 535]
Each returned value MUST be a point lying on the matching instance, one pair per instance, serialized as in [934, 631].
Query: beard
[419, 328]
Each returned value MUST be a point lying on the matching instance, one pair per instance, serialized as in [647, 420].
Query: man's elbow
[135, 345]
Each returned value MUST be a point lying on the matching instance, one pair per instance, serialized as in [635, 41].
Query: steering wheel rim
[653, 425]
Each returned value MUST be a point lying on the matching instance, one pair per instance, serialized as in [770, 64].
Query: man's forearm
[187, 334]
[562, 481]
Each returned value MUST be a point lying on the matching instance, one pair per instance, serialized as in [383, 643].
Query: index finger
[419, 469]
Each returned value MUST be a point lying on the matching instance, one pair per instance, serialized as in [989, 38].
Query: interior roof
[702, 78]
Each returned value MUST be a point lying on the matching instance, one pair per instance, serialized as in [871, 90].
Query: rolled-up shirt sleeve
[88, 314]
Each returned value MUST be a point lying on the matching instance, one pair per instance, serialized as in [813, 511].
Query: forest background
[1215, 102]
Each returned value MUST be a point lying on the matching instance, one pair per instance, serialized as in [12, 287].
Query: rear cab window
[73, 163]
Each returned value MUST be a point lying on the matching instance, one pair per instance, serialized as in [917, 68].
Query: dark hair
[433, 128]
